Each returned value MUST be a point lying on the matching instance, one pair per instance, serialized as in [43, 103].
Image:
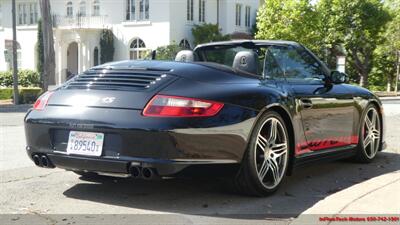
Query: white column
[59, 64]
[79, 56]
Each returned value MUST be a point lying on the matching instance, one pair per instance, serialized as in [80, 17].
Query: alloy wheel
[271, 153]
[371, 133]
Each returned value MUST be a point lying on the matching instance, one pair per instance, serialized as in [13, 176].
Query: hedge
[26, 95]
[26, 78]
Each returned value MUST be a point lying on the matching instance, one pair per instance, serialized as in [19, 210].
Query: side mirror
[339, 77]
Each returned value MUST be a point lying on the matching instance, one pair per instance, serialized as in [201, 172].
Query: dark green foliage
[40, 49]
[26, 78]
[26, 95]
[208, 32]
[106, 46]
[168, 52]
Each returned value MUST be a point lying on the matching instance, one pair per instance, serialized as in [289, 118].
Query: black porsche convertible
[262, 107]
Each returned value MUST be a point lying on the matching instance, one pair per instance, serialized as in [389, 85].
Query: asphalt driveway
[60, 197]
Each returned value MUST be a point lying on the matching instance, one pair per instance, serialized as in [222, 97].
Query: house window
[184, 44]
[33, 13]
[96, 8]
[27, 13]
[247, 17]
[70, 9]
[189, 10]
[82, 8]
[96, 56]
[144, 10]
[202, 10]
[137, 49]
[238, 14]
[9, 56]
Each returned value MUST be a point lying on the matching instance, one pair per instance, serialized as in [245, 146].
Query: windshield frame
[199, 51]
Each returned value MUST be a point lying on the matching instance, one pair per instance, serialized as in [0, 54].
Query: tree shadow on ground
[209, 197]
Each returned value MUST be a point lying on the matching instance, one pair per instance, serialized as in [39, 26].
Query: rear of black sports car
[140, 119]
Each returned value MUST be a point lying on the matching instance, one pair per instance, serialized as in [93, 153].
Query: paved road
[331, 188]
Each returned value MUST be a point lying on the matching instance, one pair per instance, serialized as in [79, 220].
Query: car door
[327, 111]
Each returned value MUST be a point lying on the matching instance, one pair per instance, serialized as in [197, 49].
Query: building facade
[138, 26]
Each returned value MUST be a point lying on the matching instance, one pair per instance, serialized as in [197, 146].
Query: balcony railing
[80, 21]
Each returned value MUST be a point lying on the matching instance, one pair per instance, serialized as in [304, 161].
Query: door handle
[306, 103]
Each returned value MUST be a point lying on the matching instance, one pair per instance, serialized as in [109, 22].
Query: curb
[15, 108]
[389, 98]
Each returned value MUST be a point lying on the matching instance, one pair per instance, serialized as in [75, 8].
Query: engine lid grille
[122, 79]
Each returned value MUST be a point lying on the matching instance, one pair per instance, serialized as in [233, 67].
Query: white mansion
[138, 26]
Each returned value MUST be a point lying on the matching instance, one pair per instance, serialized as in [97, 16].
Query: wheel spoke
[373, 121]
[263, 170]
[372, 147]
[376, 134]
[368, 123]
[262, 142]
[279, 149]
[273, 131]
[274, 169]
[367, 141]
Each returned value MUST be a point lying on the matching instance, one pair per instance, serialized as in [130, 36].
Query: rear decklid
[131, 84]
[125, 88]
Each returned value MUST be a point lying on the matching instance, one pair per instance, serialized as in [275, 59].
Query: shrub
[29, 95]
[208, 32]
[26, 95]
[6, 93]
[26, 78]
[167, 52]
[6, 79]
[106, 46]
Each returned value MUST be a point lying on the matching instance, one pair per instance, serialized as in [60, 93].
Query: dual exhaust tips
[135, 171]
[42, 161]
[143, 172]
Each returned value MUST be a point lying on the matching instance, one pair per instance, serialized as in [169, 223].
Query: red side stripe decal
[331, 142]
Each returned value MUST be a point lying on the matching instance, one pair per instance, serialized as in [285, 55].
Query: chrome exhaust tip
[147, 173]
[36, 160]
[45, 161]
[135, 171]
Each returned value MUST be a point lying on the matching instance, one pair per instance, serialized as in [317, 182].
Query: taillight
[172, 106]
[41, 102]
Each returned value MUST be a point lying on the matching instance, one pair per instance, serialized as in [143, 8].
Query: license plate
[85, 143]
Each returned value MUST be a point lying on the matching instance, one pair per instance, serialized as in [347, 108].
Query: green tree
[358, 25]
[167, 52]
[106, 46]
[208, 33]
[386, 53]
[293, 20]
[40, 51]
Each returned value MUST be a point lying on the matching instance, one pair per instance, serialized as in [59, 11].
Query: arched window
[82, 8]
[137, 49]
[184, 44]
[70, 9]
[96, 56]
[96, 8]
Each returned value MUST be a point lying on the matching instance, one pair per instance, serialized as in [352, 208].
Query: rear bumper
[117, 166]
[166, 144]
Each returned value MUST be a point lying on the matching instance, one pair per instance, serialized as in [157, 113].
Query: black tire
[363, 153]
[247, 180]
